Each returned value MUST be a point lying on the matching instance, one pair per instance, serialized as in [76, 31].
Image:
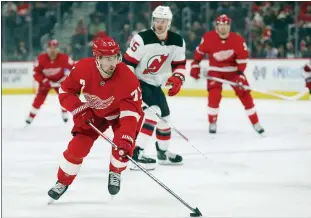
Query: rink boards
[284, 76]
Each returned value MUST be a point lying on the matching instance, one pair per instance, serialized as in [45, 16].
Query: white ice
[268, 176]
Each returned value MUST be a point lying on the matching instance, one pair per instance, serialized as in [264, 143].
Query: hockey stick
[290, 98]
[179, 133]
[195, 211]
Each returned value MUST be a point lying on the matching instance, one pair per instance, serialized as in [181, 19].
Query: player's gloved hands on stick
[81, 119]
[195, 70]
[124, 144]
[176, 81]
[241, 81]
[45, 84]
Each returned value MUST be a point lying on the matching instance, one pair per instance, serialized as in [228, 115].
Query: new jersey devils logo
[155, 63]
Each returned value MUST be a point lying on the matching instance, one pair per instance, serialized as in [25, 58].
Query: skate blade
[167, 162]
[146, 166]
[50, 201]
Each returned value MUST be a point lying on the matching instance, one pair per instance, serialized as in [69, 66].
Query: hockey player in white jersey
[157, 57]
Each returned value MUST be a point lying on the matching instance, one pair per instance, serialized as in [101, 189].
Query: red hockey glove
[241, 81]
[45, 84]
[80, 119]
[124, 143]
[307, 68]
[176, 81]
[195, 70]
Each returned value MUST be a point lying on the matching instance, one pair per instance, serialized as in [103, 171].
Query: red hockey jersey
[116, 97]
[52, 70]
[225, 55]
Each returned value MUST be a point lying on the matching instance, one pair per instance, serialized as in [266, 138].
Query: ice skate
[29, 120]
[258, 128]
[57, 191]
[147, 162]
[114, 182]
[167, 157]
[65, 116]
[212, 128]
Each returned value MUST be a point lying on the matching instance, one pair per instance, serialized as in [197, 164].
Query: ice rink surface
[268, 176]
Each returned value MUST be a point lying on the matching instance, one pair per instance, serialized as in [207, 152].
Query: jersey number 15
[134, 46]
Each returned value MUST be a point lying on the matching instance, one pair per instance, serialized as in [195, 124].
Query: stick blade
[196, 213]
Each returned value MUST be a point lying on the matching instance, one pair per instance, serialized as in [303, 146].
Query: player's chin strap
[145, 106]
[195, 211]
[289, 98]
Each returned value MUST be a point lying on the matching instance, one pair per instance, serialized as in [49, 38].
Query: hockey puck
[196, 213]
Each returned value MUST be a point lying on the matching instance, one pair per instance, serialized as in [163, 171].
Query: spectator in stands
[139, 27]
[125, 38]
[271, 52]
[191, 41]
[305, 12]
[281, 52]
[79, 41]
[9, 9]
[81, 29]
[21, 53]
[259, 51]
[267, 33]
[197, 29]
[290, 52]
[96, 26]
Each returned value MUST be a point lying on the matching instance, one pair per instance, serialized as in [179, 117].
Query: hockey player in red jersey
[228, 54]
[307, 75]
[49, 71]
[113, 98]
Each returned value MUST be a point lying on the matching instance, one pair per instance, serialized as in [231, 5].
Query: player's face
[52, 51]
[160, 25]
[109, 63]
[223, 28]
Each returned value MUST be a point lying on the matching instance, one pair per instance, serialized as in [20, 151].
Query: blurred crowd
[269, 28]
[19, 19]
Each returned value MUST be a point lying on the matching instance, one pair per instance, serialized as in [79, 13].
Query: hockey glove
[307, 68]
[176, 81]
[241, 81]
[80, 119]
[124, 143]
[195, 70]
[45, 84]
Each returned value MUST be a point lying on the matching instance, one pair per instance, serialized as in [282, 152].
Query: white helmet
[163, 12]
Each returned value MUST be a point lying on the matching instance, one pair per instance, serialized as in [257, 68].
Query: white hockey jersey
[153, 60]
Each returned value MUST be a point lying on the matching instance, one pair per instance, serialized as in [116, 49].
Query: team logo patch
[155, 63]
[96, 102]
[223, 55]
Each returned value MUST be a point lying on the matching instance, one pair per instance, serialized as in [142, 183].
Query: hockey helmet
[163, 12]
[223, 19]
[108, 48]
[105, 46]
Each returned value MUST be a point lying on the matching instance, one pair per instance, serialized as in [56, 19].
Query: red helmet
[53, 42]
[223, 19]
[105, 46]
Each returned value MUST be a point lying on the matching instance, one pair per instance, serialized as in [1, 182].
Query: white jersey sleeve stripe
[130, 59]
[200, 52]
[129, 114]
[241, 61]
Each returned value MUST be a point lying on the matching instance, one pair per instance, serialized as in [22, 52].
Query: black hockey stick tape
[196, 213]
